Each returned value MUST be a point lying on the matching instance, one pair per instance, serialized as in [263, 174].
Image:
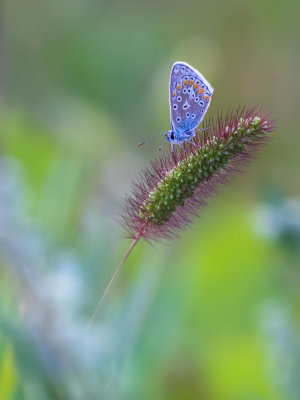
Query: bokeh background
[214, 315]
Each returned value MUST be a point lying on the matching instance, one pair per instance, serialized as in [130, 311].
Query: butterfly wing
[190, 96]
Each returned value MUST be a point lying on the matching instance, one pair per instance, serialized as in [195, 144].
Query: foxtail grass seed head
[171, 192]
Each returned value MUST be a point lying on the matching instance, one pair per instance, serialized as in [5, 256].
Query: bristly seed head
[166, 196]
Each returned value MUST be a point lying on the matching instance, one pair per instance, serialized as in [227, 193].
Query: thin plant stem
[130, 248]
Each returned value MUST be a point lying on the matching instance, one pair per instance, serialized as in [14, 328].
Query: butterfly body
[190, 96]
[175, 137]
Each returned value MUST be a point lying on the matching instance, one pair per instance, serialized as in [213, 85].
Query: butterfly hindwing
[190, 96]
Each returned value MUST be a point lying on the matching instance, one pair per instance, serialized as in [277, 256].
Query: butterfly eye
[172, 136]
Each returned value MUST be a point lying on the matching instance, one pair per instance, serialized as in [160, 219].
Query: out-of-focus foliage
[211, 316]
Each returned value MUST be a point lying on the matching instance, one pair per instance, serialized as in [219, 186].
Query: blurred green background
[214, 315]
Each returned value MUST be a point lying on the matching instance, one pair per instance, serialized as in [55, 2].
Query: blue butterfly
[190, 96]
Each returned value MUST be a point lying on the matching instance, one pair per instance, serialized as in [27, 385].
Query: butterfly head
[170, 136]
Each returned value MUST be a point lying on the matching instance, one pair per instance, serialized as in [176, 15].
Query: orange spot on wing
[200, 91]
[184, 82]
[206, 97]
[179, 87]
[191, 82]
[173, 94]
[195, 86]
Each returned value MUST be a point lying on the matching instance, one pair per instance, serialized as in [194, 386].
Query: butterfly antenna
[152, 138]
[197, 130]
[161, 147]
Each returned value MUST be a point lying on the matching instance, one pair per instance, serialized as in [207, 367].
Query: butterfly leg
[194, 144]
[181, 147]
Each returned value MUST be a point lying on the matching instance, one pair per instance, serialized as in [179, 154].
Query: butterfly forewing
[190, 96]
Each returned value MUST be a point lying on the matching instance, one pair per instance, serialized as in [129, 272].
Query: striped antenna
[152, 138]
[161, 147]
[197, 130]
